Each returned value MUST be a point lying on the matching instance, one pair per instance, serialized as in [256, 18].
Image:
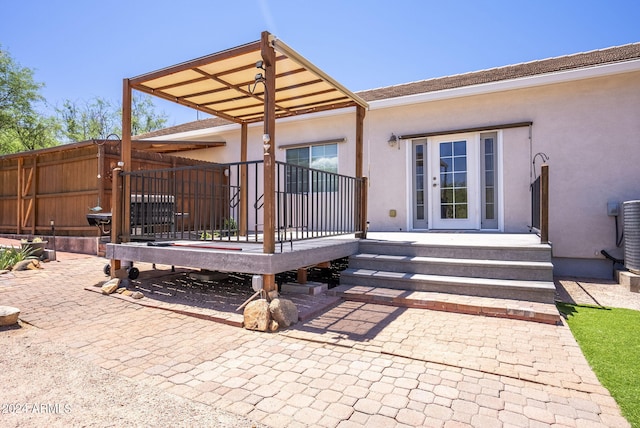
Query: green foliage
[98, 118]
[21, 126]
[610, 342]
[230, 224]
[10, 256]
[93, 119]
[144, 117]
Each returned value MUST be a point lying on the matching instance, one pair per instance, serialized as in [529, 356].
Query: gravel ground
[42, 385]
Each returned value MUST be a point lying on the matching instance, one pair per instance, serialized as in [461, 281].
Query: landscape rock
[127, 292]
[273, 325]
[3, 271]
[8, 315]
[110, 286]
[137, 295]
[121, 290]
[284, 311]
[256, 315]
[28, 264]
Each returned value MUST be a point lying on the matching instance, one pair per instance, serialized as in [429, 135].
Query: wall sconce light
[393, 140]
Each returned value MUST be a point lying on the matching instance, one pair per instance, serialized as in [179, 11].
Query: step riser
[531, 273]
[534, 254]
[407, 283]
[513, 309]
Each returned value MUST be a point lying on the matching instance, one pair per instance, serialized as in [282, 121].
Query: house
[460, 153]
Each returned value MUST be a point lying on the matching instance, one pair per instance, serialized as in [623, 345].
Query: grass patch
[610, 341]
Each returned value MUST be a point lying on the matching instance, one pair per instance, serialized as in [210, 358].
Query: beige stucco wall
[590, 129]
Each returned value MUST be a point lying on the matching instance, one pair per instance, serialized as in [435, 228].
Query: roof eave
[511, 84]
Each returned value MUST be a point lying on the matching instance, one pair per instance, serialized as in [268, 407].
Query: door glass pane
[453, 180]
[419, 169]
[489, 179]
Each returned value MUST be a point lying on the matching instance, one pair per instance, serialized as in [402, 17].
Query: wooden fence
[63, 184]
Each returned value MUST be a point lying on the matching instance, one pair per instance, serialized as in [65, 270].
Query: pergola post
[544, 204]
[120, 193]
[125, 156]
[116, 215]
[269, 139]
[360, 113]
[361, 198]
[243, 221]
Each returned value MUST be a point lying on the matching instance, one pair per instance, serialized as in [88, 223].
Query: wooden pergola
[256, 82]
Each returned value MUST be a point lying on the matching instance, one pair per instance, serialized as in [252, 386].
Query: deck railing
[226, 202]
[540, 204]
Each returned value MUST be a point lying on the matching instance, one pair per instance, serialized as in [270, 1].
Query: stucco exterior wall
[590, 129]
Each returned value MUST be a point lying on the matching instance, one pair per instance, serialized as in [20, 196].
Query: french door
[453, 182]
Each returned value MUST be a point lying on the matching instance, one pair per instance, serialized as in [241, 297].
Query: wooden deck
[247, 257]
[232, 256]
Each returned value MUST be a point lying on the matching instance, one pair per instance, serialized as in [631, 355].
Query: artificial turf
[610, 340]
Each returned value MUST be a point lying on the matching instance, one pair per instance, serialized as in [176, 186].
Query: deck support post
[269, 143]
[301, 277]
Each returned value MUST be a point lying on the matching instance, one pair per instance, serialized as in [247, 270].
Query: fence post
[19, 196]
[544, 204]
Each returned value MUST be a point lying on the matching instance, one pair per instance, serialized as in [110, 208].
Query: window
[320, 157]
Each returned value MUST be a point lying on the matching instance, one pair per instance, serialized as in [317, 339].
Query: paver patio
[358, 364]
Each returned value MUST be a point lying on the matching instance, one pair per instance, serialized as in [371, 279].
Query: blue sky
[82, 49]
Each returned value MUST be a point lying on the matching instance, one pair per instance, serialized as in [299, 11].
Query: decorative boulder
[284, 311]
[256, 315]
[110, 286]
[8, 315]
[28, 264]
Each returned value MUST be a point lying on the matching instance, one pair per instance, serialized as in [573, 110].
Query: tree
[143, 115]
[99, 118]
[95, 119]
[21, 126]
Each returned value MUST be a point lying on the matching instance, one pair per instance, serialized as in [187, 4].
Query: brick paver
[358, 364]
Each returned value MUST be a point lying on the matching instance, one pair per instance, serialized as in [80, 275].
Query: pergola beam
[199, 62]
[199, 78]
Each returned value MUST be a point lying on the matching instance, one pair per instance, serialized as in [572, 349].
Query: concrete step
[474, 268]
[534, 291]
[530, 252]
[504, 308]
